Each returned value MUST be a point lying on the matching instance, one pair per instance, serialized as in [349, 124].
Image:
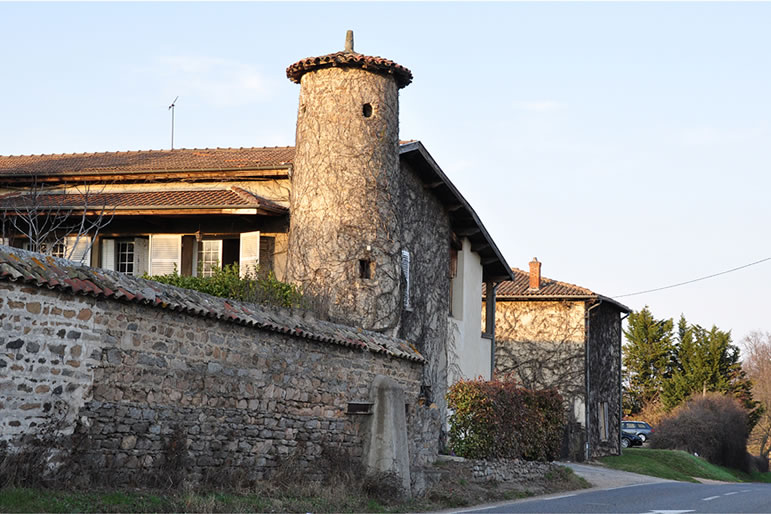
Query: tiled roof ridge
[94, 154]
[586, 291]
[67, 276]
[347, 59]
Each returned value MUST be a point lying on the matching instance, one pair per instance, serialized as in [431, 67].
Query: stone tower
[344, 239]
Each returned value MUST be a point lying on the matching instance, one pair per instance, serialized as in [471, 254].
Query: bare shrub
[713, 426]
[340, 468]
[651, 413]
[172, 472]
[289, 472]
[25, 467]
[33, 460]
[757, 463]
[385, 487]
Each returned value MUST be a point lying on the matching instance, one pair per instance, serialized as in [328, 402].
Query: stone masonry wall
[426, 235]
[131, 378]
[505, 470]
[541, 345]
[344, 196]
[604, 378]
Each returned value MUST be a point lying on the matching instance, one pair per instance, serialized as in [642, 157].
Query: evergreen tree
[685, 351]
[647, 357]
[706, 361]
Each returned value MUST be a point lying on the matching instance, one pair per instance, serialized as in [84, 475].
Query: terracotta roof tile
[150, 160]
[520, 286]
[66, 276]
[212, 198]
[519, 289]
[402, 75]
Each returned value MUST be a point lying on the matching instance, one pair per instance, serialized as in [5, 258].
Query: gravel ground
[605, 478]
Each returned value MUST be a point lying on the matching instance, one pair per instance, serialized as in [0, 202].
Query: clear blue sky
[625, 145]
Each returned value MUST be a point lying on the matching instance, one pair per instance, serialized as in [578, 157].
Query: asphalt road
[659, 498]
[619, 491]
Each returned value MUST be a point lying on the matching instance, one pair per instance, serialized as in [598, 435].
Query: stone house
[552, 334]
[370, 227]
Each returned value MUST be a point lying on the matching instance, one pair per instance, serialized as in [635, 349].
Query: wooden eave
[464, 220]
[192, 210]
[123, 176]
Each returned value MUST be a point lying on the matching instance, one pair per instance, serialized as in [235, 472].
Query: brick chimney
[535, 274]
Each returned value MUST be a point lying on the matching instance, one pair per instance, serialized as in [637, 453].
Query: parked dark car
[629, 439]
[640, 428]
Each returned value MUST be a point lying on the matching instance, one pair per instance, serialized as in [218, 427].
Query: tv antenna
[171, 108]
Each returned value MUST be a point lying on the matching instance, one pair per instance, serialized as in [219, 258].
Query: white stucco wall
[468, 352]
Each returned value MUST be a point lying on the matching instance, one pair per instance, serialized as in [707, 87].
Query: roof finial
[349, 42]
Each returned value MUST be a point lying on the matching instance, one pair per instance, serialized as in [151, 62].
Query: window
[603, 415]
[249, 253]
[209, 257]
[453, 274]
[49, 248]
[57, 249]
[365, 268]
[165, 254]
[124, 256]
[75, 248]
[267, 249]
[406, 273]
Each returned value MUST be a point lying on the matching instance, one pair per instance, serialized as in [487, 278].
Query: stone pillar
[386, 448]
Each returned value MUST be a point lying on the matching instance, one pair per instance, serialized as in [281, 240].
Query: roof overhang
[118, 176]
[562, 298]
[234, 200]
[464, 220]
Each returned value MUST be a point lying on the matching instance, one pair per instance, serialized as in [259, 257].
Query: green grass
[677, 465]
[751, 477]
[37, 500]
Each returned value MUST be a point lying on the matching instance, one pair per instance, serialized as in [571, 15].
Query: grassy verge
[454, 490]
[677, 465]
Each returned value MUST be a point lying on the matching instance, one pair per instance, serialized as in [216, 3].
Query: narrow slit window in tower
[365, 268]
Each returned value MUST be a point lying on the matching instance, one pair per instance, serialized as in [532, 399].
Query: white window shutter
[108, 254]
[249, 253]
[406, 273]
[165, 254]
[196, 249]
[78, 249]
[141, 253]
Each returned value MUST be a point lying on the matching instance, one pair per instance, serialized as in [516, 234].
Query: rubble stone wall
[541, 345]
[506, 470]
[344, 246]
[425, 229]
[604, 378]
[131, 379]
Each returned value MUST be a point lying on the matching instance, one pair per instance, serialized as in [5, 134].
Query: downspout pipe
[620, 385]
[587, 381]
[490, 321]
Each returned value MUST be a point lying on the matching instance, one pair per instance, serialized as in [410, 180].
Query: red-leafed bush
[495, 419]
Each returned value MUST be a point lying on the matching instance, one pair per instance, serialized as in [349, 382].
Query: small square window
[365, 268]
